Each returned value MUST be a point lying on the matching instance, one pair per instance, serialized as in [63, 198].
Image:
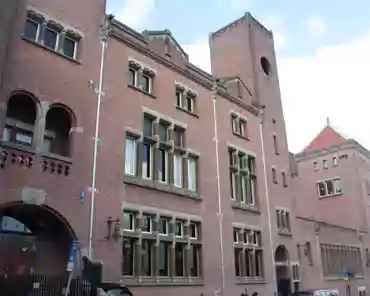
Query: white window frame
[56, 41]
[75, 47]
[150, 224]
[192, 103]
[253, 192]
[136, 73]
[335, 192]
[165, 167]
[196, 231]
[7, 134]
[181, 228]
[134, 156]
[325, 164]
[38, 28]
[243, 188]
[150, 79]
[133, 221]
[178, 178]
[150, 164]
[192, 163]
[166, 220]
[237, 235]
[335, 161]
[233, 184]
[241, 124]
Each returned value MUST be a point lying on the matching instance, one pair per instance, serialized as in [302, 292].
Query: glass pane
[178, 228]
[130, 156]
[146, 166]
[7, 134]
[162, 165]
[50, 38]
[24, 138]
[148, 127]
[330, 187]
[146, 85]
[30, 30]
[179, 257]
[192, 172]
[69, 47]
[128, 221]
[162, 131]
[46, 145]
[147, 257]
[164, 259]
[128, 257]
[194, 265]
[177, 170]
[238, 271]
[178, 138]
[163, 226]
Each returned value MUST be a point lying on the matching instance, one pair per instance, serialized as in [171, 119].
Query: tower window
[266, 67]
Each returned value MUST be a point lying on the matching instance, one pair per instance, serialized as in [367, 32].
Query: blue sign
[73, 255]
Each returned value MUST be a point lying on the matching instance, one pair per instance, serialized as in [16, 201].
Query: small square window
[128, 221]
[193, 230]
[51, 38]
[147, 224]
[31, 30]
[69, 48]
[163, 226]
[179, 225]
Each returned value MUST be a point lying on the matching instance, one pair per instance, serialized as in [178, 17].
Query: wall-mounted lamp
[115, 233]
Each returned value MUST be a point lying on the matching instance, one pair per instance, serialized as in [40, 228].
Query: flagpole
[105, 29]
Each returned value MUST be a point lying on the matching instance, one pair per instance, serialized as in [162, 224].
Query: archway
[282, 271]
[33, 239]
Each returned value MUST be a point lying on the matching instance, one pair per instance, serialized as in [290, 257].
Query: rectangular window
[276, 146]
[147, 161]
[147, 257]
[193, 230]
[179, 228]
[194, 261]
[235, 124]
[315, 166]
[148, 126]
[258, 264]
[128, 254]
[31, 30]
[242, 124]
[163, 132]
[243, 188]
[337, 186]
[329, 187]
[190, 100]
[274, 177]
[236, 235]
[239, 125]
[128, 221]
[252, 197]
[237, 261]
[177, 170]
[248, 262]
[7, 134]
[278, 219]
[164, 259]
[335, 161]
[69, 47]
[133, 77]
[47, 144]
[179, 260]
[233, 185]
[283, 176]
[322, 188]
[130, 156]
[178, 137]
[192, 174]
[24, 138]
[163, 226]
[325, 163]
[147, 83]
[179, 96]
[51, 38]
[162, 163]
[147, 224]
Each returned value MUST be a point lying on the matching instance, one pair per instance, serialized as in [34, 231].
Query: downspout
[219, 214]
[261, 115]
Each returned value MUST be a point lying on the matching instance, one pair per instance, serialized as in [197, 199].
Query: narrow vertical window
[162, 163]
[192, 174]
[130, 156]
[31, 29]
[164, 259]
[147, 161]
[276, 147]
[274, 177]
[177, 170]
[283, 176]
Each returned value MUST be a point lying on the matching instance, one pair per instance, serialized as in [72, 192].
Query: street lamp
[105, 29]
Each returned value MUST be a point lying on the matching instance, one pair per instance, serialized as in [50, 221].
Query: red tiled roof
[326, 138]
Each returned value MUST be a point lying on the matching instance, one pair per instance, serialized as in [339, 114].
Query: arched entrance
[33, 239]
[282, 271]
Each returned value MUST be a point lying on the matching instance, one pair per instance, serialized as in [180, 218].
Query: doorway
[282, 266]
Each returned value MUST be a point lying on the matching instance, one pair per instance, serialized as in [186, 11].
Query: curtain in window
[192, 174]
[130, 156]
[177, 170]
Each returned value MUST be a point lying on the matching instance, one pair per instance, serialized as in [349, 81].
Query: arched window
[20, 120]
[57, 131]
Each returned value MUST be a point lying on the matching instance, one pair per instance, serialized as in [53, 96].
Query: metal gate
[43, 285]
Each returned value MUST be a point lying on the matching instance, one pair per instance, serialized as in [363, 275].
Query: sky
[322, 48]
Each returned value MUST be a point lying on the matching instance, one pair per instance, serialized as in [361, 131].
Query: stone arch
[59, 121]
[282, 268]
[281, 254]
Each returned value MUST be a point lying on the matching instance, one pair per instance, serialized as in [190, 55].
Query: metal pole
[104, 41]
[219, 214]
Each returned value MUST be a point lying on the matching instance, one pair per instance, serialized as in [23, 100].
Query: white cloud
[280, 41]
[333, 82]
[135, 13]
[317, 27]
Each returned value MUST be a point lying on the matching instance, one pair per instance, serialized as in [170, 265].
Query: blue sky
[323, 50]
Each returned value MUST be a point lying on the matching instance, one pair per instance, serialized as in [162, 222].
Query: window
[128, 252]
[283, 221]
[192, 174]
[295, 272]
[283, 176]
[178, 170]
[325, 163]
[51, 38]
[69, 47]
[158, 264]
[329, 187]
[193, 230]
[130, 156]
[236, 235]
[147, 83]
[179, 228]
[163, 131]
[274, 176]
[147, 224]
[335, 161]
[250, 249]
[147, 161]
[178, 137]
[276, 146]
[147, 257]
[185, 99]
[128, 221]
[162, 163]
[315, 166]
[148, 126]
[133, 77]
[163, 226]
[32, 29]
[239, 126]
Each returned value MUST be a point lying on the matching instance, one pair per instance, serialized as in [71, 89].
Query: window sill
[241, 136]
[339, 278]
[162, 281]
[285, 233]
[331, 195]
[78, 62]
[187, 111]
[142, 91]
[18, 147]
[244, 207]
[250, 280]
[163, 187]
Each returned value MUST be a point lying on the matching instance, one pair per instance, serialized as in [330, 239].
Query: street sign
[73, 255]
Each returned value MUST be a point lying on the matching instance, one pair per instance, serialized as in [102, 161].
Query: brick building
[194, 190]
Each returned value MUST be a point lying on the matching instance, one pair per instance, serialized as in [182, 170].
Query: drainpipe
[261, 115]
[105, 29]
[219, 214]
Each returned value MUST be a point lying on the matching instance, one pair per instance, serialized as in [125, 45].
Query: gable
[326, 138]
